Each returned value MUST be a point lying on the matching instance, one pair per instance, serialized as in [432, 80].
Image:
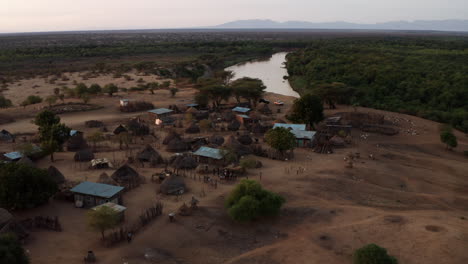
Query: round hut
[56, 175]
[245, 139]
[173, 184]
[170, 136]
[105, 179]
[76, 142]
[126, 176]
[216, 140]
[120, 129]
[137, 127]
[149, 154]
[237, 147]
[183, 162]
[84, 155]
[177, 145]
[234, 125]
[265, 110]
[193, 129]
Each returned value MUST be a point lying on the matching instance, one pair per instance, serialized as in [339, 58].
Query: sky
[63, 15]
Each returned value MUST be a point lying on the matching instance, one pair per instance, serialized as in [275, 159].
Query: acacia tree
[111, 89]
[52, 133]
[11, 251]
[333, 93]
[102, 219]
[449, 139]
[280, 139]
[373, 254]
[248, 88]
[307, 109]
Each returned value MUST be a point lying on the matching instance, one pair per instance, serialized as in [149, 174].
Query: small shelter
[90, 194]
[138, 127]
[238, 148]
[209, 155]
[56, 175]
[157, 114]
[13, 156]
[120, 129]
[173, 184]
[101, 164]
[304, 138]
[241, 110]
[76, 141]
[149, 154]
[6, 136]
[177, 145]
[243, 119]
[126, 176]
[84, 155]
[119, 209]
[183, 162]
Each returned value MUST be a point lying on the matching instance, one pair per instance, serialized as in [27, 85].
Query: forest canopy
[419, 76]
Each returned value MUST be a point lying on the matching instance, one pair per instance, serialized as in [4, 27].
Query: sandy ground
[412, 199]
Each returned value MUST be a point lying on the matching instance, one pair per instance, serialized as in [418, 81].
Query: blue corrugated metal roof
[13, 155]
[97, 189]
[301, 134]
[192, 105]
[73, 132]
[209, 153]
[292, 126]
[241, 109]
[160, 111]
[244, 116]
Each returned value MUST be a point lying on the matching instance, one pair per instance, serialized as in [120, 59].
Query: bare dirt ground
[412, 199]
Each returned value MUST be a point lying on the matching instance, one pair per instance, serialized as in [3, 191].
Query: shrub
[173, 91]
[11, 251]
[247, 163]
[32, 99]
[4, 102]
[449, 139]
[249, 201]
[23, 186]
[373, 254]
[280, 139]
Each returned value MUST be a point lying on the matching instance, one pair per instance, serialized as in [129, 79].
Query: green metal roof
[97, 189]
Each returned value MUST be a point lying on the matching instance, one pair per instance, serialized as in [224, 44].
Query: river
[270, 71]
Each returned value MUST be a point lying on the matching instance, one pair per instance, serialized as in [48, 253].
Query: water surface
[270, 71]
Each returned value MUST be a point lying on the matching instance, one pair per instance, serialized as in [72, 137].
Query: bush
[373, 254]
[249, 201]
[248, 163]
[23, 186]
[4, 103]
[32, 99]
[11, 251]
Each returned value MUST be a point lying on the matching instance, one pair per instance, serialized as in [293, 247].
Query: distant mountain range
[439, 25]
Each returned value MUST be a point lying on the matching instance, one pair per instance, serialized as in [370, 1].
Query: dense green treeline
[424, 77]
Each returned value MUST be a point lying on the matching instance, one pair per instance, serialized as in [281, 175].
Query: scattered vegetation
[373, 254]
[32, 99]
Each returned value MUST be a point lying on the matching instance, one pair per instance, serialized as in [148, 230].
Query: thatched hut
[94, 123]
[183, 162]
[173, 184]
[177, 145]
[126, 176]
[106, 179]
[76, 142]
[138, 127]
[237, 147]
[56, 175]
[234, 125]
[170, 136]
[120, 129]
[26, 161]
[265, 109]
[245, 139]
[216, 140]
[84, 155]
[193, 129]
[149, 154]
[6, 136]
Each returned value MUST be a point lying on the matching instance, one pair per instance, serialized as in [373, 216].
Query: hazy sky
[51, 15]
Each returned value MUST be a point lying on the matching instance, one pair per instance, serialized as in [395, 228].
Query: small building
[6, 136]
[90, 194]
[35, 153]
[241, 110]
[209, 155]
[13, 156]
[103, 163]
[243, 119]
[301, 127]
[160, 115]
[124, 102]
[119, 209]
[304, 138]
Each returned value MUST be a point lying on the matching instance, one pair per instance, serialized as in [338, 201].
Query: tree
[202, 99]
[173, 91]
[4, 102]
[333, 93]
[124, 138]
[11, 251]
[280, 139]
[449, 139]
[111, 89]
[94, 89]
[46, 118]
[50, 146]
[373, 254]
[32, 99]
[96, 137]
[51, 100]
[81, 89]
[248, 88]
[86, 98]
[102, 219]
[23, 186]
[249, 201]
[153, 86]
[52, 133]
[56, 91]
[307, 109]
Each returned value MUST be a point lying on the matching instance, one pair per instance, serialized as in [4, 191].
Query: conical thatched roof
[234, 125]
[191, 110]
[193, 129]
[245, 139]
[125, 174]
[182, 162]
[149, 154]
[177, 145]
[94, 123]
[237, 147]
[26, 161]
[265, 109]
[56, 175]
[76, 142]
[104, 178]
[137, 127]
[84, 155]
[170, 136]
[174, 184]
[119, 129]
[216, 140]
[6, 136]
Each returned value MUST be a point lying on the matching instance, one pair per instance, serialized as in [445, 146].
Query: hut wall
[91, 201]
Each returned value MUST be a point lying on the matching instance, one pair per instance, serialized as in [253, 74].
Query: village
[160, 166]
